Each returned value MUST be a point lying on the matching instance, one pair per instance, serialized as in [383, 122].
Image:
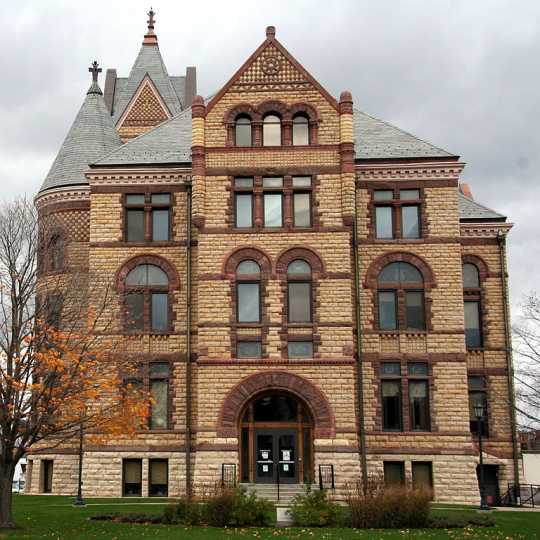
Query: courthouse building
[311, 288]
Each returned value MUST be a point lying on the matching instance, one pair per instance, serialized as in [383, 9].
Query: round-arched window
[272, 130]
[300, 130]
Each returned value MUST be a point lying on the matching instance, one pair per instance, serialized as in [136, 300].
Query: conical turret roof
[91, 136]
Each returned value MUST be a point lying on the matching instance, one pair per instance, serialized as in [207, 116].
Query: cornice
[409, 171]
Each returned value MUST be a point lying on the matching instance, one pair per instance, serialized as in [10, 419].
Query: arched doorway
[276, 440]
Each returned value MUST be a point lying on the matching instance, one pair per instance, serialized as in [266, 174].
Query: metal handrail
[513, 497]
[277, 480]
[228, 480]
[328, 468]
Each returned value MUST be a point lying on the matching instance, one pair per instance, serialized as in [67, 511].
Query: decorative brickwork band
[248, 388]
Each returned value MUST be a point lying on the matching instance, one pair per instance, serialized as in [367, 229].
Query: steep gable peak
[271, 68]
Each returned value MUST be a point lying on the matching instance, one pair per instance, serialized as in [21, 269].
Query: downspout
[188, 338]
[359, 372]
[501, 239]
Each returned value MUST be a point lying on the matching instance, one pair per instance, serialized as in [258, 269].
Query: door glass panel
[265, 456]
[287, 456]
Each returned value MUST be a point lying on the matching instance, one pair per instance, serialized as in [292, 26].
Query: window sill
[258, 230]
[402, 332]
[151, 334]
[475, 349]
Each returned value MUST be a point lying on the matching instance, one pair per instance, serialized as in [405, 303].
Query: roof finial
[94, 69]
[150, 38]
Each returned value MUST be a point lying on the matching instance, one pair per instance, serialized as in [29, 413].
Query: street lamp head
[479, 411]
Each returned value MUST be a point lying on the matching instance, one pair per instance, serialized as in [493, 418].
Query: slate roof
[169, 142]
[376, 139]
[471, 211]
[91, 135]
[149, 61]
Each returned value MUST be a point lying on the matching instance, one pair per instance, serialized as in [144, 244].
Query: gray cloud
[462, 75]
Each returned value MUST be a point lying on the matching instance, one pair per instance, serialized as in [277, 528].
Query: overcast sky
[463, 75]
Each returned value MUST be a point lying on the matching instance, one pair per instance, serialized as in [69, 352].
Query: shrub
[219, 508]
[314, 509]
[394, 507]
[250, 511]
[184, 512]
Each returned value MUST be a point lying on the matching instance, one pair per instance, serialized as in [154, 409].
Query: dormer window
[272, 130]
[243, 131]
[300, 130]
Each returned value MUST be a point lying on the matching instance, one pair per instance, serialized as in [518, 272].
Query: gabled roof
[170, 142]
[472, 211]
[377, 139]
[91, 135]
[149, 62]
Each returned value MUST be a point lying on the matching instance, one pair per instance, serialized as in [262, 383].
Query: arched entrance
[276, 441]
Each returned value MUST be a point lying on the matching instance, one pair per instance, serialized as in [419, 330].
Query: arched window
[248, 292]
[242, 131]
[272, 130]
[299, 292]
[56, 253]
[472, 297]
[401, 297]
[147, 299]
[300, 130]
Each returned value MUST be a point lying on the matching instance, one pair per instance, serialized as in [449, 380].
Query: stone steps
[287, 492]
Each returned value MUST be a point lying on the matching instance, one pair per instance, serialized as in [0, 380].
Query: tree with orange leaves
[55, 379]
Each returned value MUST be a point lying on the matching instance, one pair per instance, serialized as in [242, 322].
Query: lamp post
[79, 501]
[479, 412]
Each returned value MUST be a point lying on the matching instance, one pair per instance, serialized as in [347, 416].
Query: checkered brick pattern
[146, 111]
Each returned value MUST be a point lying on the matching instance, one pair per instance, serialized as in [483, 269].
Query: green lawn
[53, 518]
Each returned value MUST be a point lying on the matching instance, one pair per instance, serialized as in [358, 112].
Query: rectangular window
[160, 216]
[148, 217]
[158, 477]
[300, 349]
[248, 349]
[391, 403]
[478, 397]
[302, 209]
[301, 181]
[53, 310]
[384, 222]
[387, 310]
[299, 300]
[135, 225]
[48, 468]
[414, 310]
[422, 475]
[419, 405]
[134, 306]
[409, 194]
[132, 477]
[159, 390]
[160, 312]
[394, 473]
[473, 332]
[273, 210]
[244, 209]
[273, 182]
[383, 195]
[410, 221]
[248, 303]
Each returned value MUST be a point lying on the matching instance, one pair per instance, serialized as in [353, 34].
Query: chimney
[190, 90]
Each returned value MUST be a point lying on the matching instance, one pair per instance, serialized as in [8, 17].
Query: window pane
[243, 182]
[410, 222]
[158, 391]
[302, 209]
[275, 409]
[160, 311]
[273, 182]
[400, 272]
[272, 210]
[301, 181]
[158, 478]
[391, 402]
[159, 368]
[383, 195]
[247, 268]
[135, 225]
[414, 310]
[134, 306]
[132, 477]
[298, 267]
[421, 475]
[417, 368]
[394, 473]
[383, 220]
[419, 405]
[248, 302]
[244, 210]
[299, 302]
[477, 383]
[135, 199]
[300, 349]
[156, 276]
[390, 368]
[160, 225]
[409, 194]
[300, 133]
[57, 252]
[243, 132]
[248, 349]
[473, 334]
[471, 277]
[387, 310]
[161, 198]
[271, 131]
